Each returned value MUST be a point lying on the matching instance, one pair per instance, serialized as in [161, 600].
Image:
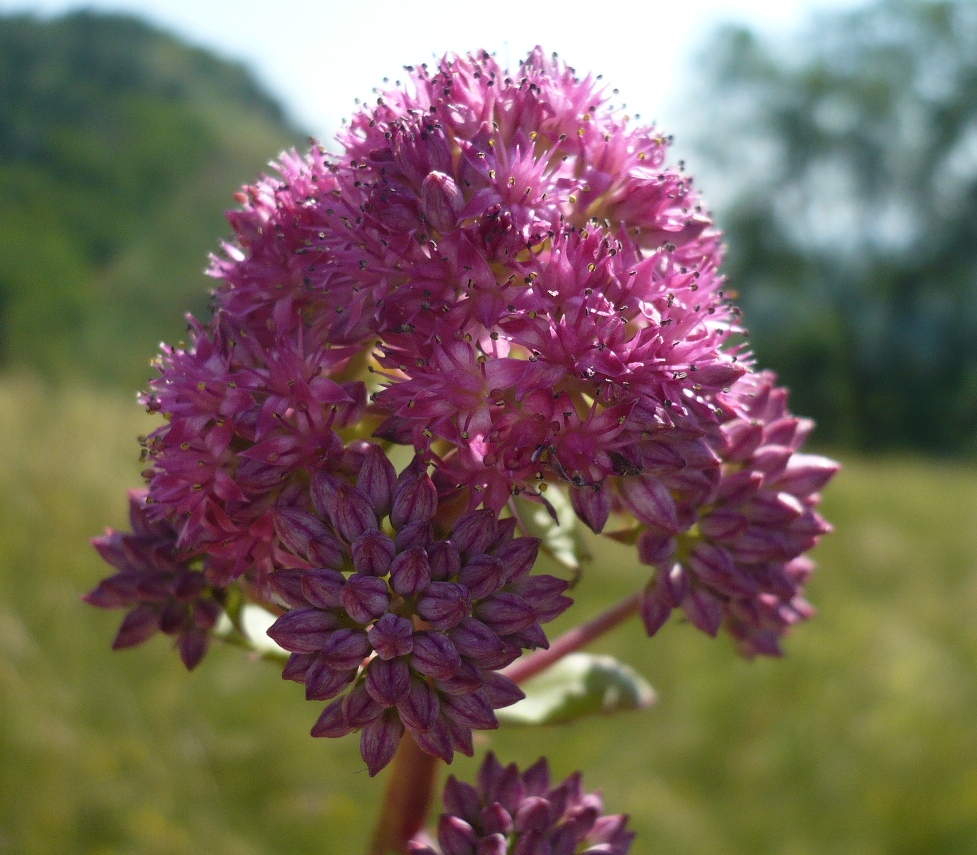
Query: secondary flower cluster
[509, 813]
[727, 537]
[161, 591]
[407, 627]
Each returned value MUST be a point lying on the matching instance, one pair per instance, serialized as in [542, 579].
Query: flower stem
[407, 800]
[580, 636]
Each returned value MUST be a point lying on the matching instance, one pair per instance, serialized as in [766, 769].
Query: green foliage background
[119, 148]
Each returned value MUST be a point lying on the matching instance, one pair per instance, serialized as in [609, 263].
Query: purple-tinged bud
[434, 655]
[444, 604]
[344, 649]
[206, 613]
[723, 524]
[365, 598]
[714, 566]
[332, 722]
[461, 799]
[171, 617]
[495, 821]
[297, 666]
[287, 585]
[379, 740]
[322, 588]
[441, 201]
[473, 710]
[482, 575]
[391, 636]
[421, 707]
[704, 611]
[500, 691]
[544, 594]
[651, 502]
[136, 627]
[410, 573]
[468, 678]
[505, 613]
[388, 680]
[474, 532]
[414, 534]
[436, 740]
[323, 487]
[773, 509]
[593, 506]
[297, 529]
[457, 837]
[415, 501]
[673, 584]
[359, 708]
[655, 609]
[771, 461]
[757, 544]
[738, 488]
[494, 844]
[192, 646]
[372, 553]
[476, 641]
[743, 439]
[517, 556]
[352, 514]
[444, 560]
[807, 473]
[377, 480]
[303, 630]
[533, 815]
[323, 682]
[655, 546]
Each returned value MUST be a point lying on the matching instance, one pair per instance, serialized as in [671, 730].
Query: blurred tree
[844, 159]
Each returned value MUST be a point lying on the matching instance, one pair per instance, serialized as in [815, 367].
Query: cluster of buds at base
[513, 813]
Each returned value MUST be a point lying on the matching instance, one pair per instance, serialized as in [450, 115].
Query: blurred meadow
[861, 740]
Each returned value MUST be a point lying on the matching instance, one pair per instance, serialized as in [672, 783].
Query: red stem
[407, 801]
[580, 636]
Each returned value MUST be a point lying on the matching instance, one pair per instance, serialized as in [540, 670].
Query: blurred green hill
[120, 148]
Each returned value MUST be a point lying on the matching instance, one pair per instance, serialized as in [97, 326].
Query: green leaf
[554, 522]
[249, 629]
[579, 685]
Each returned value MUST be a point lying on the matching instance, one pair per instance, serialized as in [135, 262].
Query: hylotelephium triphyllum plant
[503, 285]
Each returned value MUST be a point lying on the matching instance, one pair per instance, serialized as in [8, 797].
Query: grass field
[863, 740]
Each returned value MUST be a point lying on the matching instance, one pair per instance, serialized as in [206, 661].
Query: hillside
[120, 148]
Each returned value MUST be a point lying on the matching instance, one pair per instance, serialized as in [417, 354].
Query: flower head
[411, 617]
[513, 813]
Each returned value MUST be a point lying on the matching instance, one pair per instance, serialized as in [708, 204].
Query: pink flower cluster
[501, 273]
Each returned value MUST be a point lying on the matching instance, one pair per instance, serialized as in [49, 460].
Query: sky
[318, 57]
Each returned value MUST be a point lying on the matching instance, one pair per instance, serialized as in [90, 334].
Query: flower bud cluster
[405, 625]
[513, 813]
[727, 540]
[163, 593]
